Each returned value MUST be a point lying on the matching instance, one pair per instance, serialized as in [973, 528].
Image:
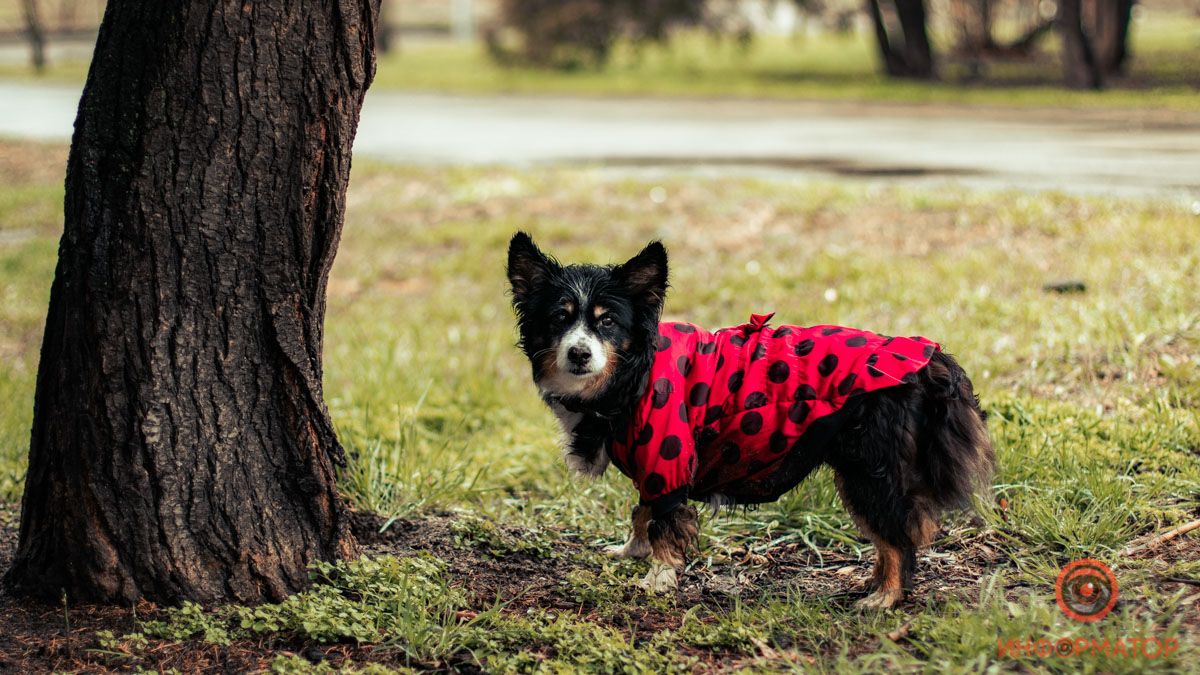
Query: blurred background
[1018, 179]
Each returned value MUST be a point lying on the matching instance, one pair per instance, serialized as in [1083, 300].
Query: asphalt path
[1089, 152]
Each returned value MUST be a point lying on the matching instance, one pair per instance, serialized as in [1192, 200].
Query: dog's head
[581, 325]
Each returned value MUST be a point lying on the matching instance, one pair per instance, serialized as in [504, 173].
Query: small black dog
[743, 414]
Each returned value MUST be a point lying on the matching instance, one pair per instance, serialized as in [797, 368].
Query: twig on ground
[1154, 542]
[1181, 580]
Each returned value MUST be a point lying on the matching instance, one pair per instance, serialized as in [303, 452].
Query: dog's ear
[645, 275]
[528, 267]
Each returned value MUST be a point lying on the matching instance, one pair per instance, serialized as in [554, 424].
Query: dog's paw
[881, 599]
[630, 549]
[660, 579]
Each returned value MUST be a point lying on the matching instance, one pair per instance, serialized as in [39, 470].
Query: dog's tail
[955, 455]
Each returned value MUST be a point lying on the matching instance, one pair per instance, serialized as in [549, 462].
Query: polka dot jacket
[723, 411]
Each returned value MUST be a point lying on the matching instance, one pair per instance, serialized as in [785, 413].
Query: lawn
[485, 552]
[1164, 72]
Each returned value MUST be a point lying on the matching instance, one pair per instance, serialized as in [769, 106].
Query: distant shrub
[571, 34]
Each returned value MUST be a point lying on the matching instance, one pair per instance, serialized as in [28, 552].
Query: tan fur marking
[682, 531]
[598, 311]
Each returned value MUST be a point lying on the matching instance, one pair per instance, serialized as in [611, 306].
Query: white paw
[630, 549]
[881, 600]
[660, 579]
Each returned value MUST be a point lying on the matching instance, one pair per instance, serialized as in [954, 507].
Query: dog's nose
[579, 356]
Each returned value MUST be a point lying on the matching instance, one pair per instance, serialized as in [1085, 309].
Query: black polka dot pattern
[756, 400]
[779, 372]
[646, 434]
[798, 412]
[662, 392]
[670, 448]
[847, 384]
[713, 416]
[752, 423]
[654, 484]
[735, 381]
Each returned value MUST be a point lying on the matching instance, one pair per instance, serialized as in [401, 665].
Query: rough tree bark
[36, 33]
[909, 54]
[1079, 61]
[181, 447]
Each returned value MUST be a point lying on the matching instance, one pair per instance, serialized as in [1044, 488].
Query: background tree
[36, 32]
[1080, 66]
[904, 48]
[181, 447]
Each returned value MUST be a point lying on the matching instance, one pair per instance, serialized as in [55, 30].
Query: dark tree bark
[1111, 19]
[1079, 61]
[36, 33]
[909, 54]
[181, 447]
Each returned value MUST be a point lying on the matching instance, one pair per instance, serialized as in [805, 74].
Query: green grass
[1164, 72]
[1093, 400]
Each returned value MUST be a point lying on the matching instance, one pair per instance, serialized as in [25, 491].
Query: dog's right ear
[528, 267]
[645, 275]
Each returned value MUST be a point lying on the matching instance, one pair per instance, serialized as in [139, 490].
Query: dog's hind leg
[638, 543]
[881, 515]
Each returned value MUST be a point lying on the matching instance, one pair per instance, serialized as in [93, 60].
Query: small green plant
[406, 603]
[473, 532]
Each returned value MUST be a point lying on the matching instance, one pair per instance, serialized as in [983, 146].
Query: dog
[741, 415]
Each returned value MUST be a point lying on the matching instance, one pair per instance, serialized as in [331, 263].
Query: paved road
[1091, 152]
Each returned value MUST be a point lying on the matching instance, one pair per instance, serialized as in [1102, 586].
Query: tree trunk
[913, 56]
[1111, 19]
[36, 33]
[181, 447]
[1079, 61]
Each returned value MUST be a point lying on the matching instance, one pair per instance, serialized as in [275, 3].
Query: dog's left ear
[528, 267]
[645, 275]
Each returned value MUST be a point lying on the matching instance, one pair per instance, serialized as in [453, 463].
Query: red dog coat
[724, 409]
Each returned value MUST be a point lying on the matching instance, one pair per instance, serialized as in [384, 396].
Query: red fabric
[745, 395]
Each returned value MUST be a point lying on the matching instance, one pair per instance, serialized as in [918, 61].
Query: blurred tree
[1081, 67]
[904, 50]
[570, 34]
[1110, 19]
[36, 32]
[181, 447]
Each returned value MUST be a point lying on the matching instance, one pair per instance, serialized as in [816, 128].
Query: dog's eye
[561, 316]
[606, 321]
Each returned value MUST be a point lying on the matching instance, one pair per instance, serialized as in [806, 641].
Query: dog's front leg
[670, 538]
[638, 544]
